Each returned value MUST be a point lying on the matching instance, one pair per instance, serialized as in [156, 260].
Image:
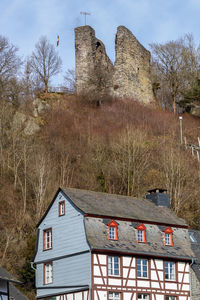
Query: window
[141, 234]
[61, 208]
[112, 230]
[113, 265]
[169, 270]
[47, 239]
[143, 296]
[170, 298]
[168, 237]
[192, 238]
[114, 296]
[48, 273]
[142, 268]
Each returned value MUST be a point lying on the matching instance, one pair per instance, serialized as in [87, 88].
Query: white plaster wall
[126, 261]
[143, 283]
[159, 263]
[158, 297]
[78, 296]
[102, 259]
[114, 281]
[181, 266]
[102, 295]
[171, 286]
[131, 283]
[96, 271]
[98, 280]
[127, 296]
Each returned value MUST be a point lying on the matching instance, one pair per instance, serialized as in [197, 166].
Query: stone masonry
[129, 77]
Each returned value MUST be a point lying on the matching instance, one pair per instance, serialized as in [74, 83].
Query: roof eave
[126, 252]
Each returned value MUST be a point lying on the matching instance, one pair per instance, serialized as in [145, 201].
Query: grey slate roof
[5, 275]
[196, 249]
[103, 204]
[14, 292]
[97, 235]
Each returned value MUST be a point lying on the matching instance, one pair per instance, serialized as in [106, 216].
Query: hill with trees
[118, 147]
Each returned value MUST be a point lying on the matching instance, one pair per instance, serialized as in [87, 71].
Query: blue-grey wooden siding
[69, 237]
[68, 271]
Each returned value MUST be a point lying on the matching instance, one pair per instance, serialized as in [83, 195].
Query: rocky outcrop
[30, 124]
[26, 124]
[129, 77]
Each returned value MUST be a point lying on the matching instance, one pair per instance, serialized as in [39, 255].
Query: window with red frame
[61, 208]
[141, 234]
[48, 273]
[112, 231]
[47, 239]
[168, 239]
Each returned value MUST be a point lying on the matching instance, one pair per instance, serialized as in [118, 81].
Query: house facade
[100, 246]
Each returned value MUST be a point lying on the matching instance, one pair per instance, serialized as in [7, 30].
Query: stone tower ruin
[129, 77]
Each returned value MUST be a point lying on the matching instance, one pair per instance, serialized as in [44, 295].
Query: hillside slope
[120, 147]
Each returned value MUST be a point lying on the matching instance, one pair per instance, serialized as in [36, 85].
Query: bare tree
[9, 65]
[70, 80]
[45, 61]
[175, 65]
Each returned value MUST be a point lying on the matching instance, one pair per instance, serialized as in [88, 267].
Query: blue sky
[23, 22]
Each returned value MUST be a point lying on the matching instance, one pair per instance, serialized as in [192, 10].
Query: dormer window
[141, 236]
[112, 231]
[61, 208]
[168, 239]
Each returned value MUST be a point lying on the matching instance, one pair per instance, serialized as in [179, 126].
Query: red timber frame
[127, 281]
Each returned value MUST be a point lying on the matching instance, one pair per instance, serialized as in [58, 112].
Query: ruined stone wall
[93, 67]
[128, 78]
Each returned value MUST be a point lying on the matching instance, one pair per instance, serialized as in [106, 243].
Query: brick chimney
[159, 197]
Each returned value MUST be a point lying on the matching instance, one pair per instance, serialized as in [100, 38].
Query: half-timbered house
[102, 246]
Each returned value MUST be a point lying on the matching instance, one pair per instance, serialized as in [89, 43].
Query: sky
[23, 22]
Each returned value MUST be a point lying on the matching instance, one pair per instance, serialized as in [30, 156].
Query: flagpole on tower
[85, 14]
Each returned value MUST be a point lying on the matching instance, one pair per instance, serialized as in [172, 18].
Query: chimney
[159, 197]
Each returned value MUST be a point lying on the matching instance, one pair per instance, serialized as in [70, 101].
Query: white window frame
[169, 266]
[61, 205]
[140, 236]
[167, 239]
[143, 296]
[170, 297]
[47, 239]
[112, 232]
[140, 262]
[48, 273]
[114, 296]
[113, 261]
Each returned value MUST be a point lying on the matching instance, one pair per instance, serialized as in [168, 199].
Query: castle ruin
[129, 77]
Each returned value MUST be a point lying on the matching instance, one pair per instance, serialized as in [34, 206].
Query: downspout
[32, 266]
